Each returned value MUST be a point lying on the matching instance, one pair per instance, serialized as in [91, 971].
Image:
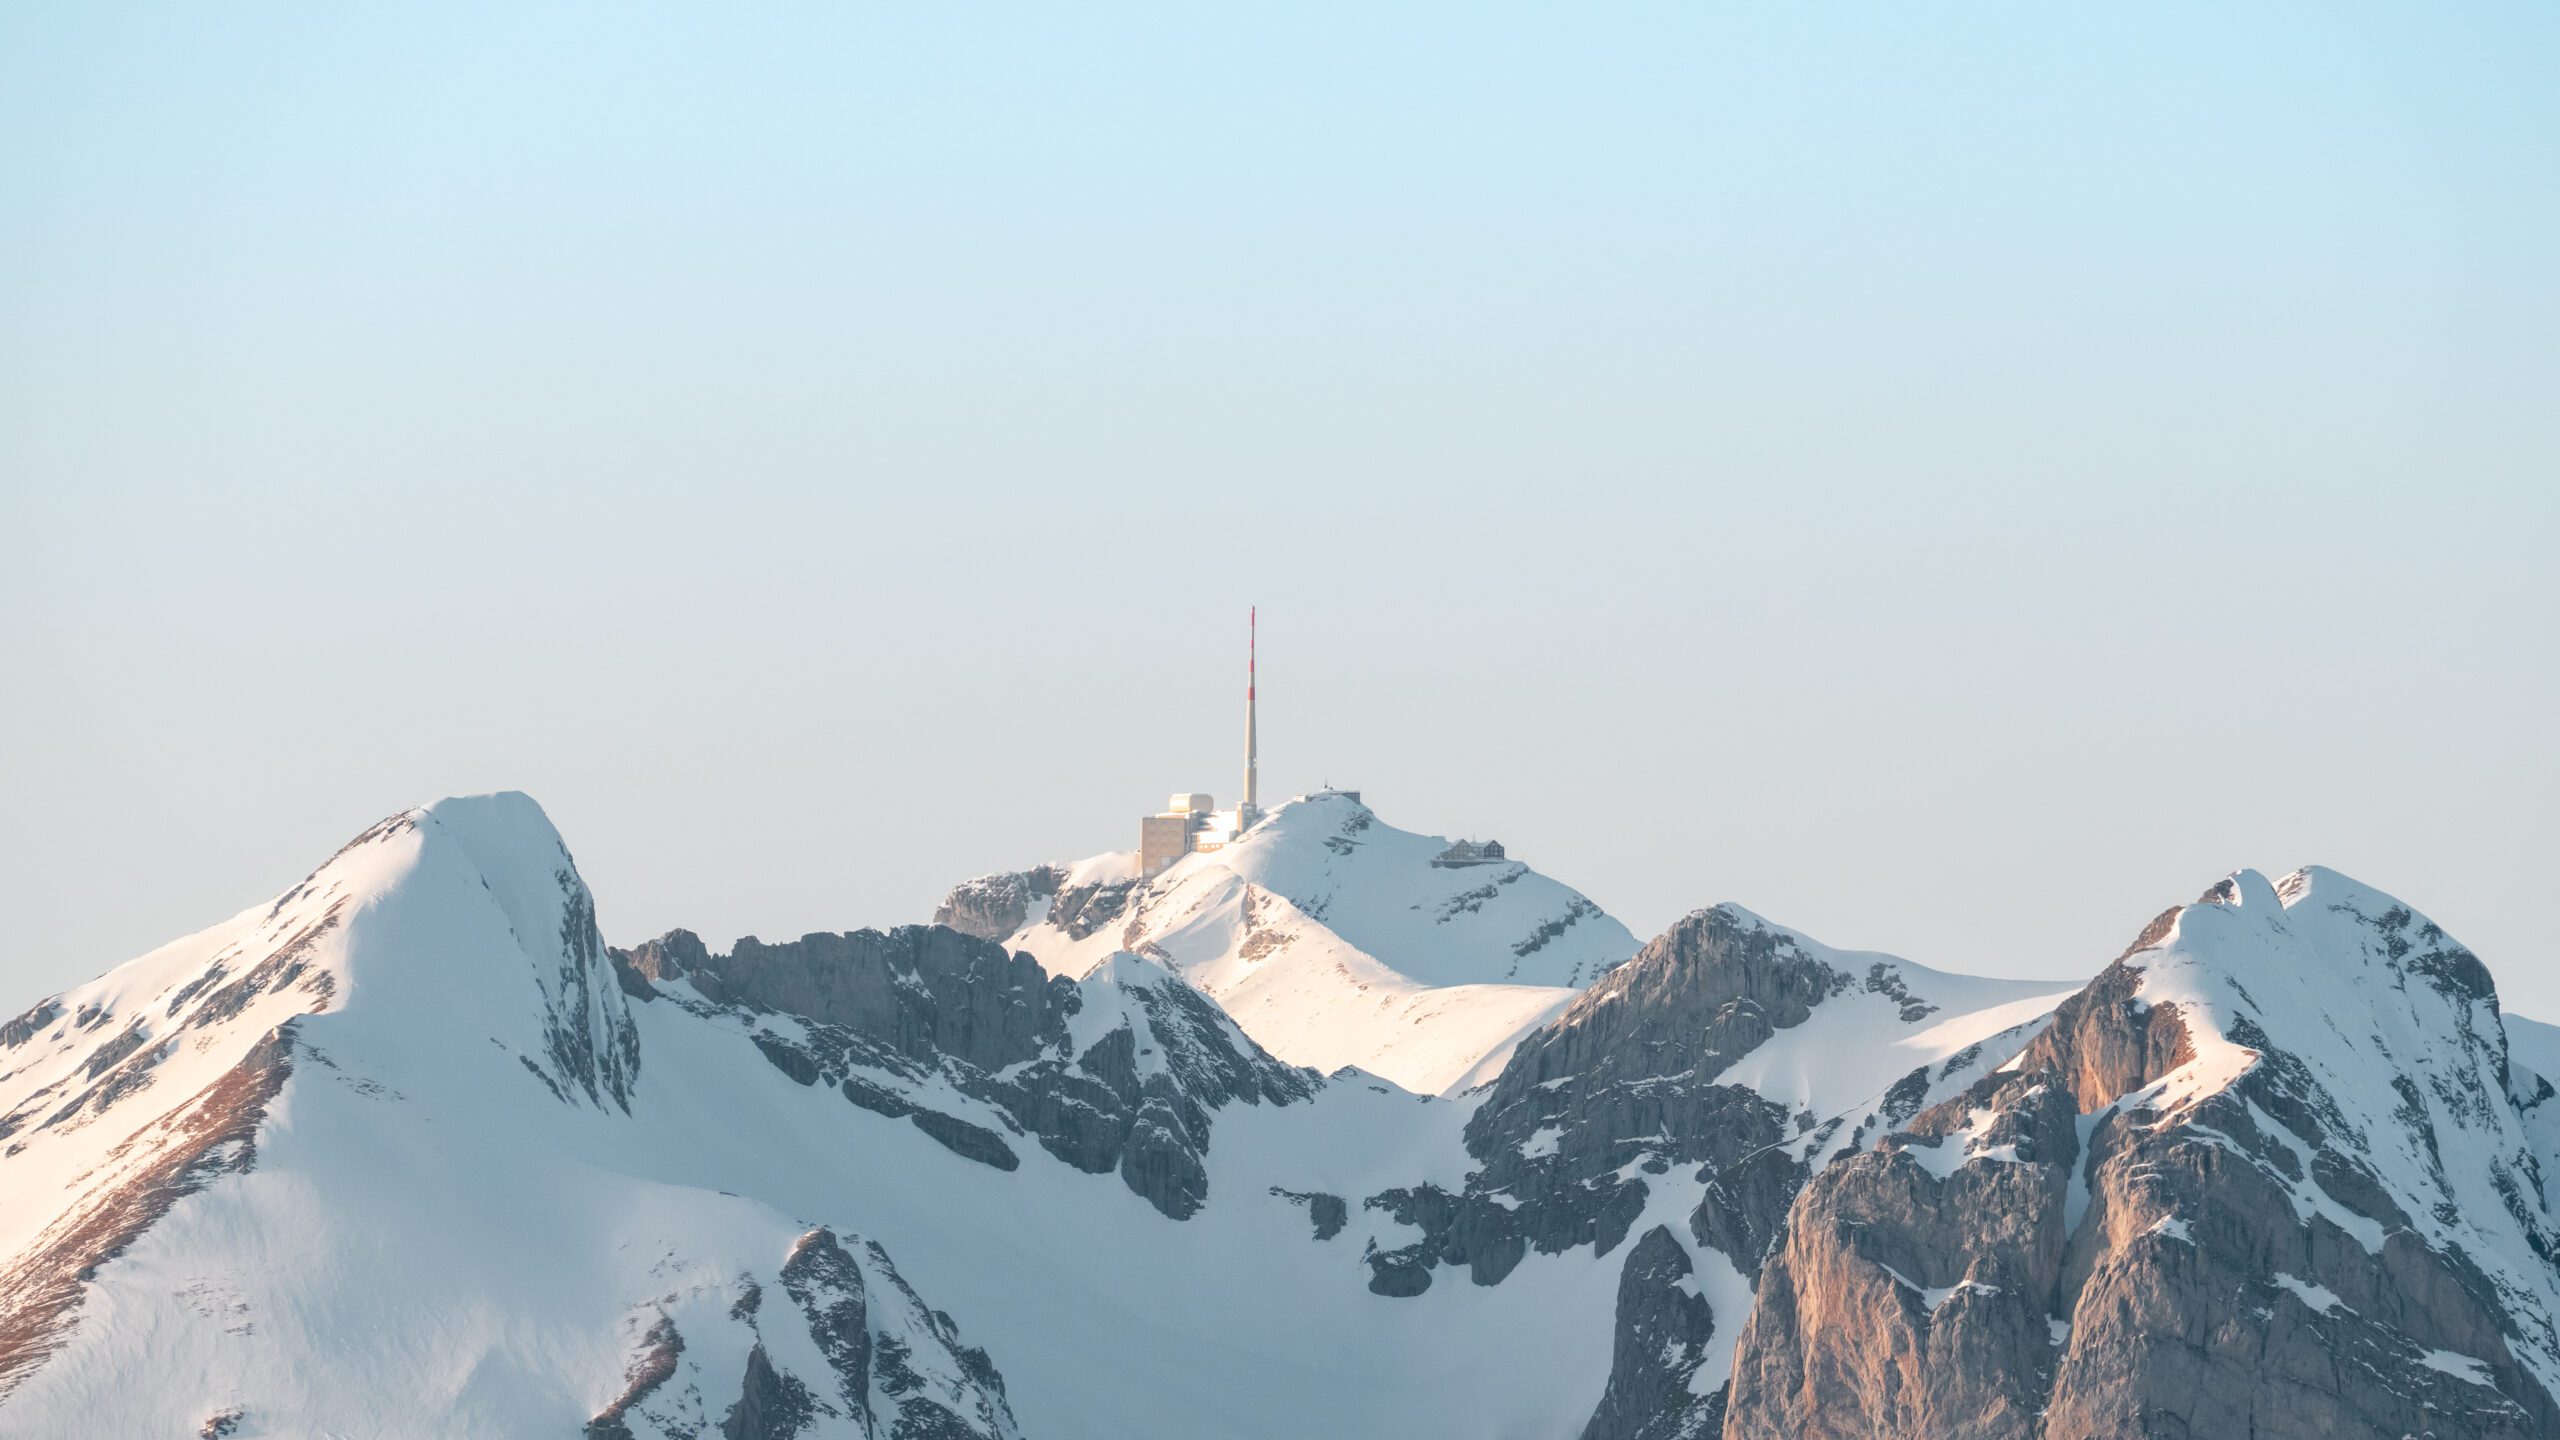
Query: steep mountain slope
[409, 1152]
[1333, 938]
[328, 1168]
[2276, 1172]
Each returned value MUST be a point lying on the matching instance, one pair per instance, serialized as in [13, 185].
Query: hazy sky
[1953, 479]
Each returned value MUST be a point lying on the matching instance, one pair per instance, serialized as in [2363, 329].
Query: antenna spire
[1250, 810]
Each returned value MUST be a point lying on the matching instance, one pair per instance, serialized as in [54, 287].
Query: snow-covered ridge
[331, 1167]
[1334, 938]
[2388, 1034]
[2288, 1117]
[407, 1151]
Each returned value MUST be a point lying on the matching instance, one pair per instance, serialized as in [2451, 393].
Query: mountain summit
[408, 1151]
[1333, 937]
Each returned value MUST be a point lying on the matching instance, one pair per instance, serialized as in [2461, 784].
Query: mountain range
[1323, 1133]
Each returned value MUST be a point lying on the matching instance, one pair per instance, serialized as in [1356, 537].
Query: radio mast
[1251, 809]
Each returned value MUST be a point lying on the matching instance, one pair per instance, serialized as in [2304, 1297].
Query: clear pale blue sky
[1955, 479]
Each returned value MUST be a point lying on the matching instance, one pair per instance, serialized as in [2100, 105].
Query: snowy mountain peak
[381, 1157]
[399, 1106]
[1331, 936]
[2287, 1117]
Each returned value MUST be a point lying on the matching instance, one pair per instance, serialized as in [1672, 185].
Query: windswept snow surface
[1334, 940]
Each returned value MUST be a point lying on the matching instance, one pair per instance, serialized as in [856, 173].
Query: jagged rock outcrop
[925, 992]
[1622, 1086]
[997, 907]
[993, 907]
[1664, 1326]
[2267, 1176]
[1122, 1071]
[886, 1366]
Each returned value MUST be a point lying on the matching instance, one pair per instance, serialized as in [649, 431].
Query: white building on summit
[1190, 820]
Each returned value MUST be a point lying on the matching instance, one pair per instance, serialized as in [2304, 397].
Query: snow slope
[2359, 1001]
[407, 1152]
[489, 1185]
[1334, 940]
[417, 1225]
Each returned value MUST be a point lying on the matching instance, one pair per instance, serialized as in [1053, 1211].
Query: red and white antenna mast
[1251, 809]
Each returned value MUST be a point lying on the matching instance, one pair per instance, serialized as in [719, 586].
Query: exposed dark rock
[588, 1036]
[970, 1142]
[770, 1405]
[788, 1058]
[1327, 1213]
[27, 1026]
[888, 1017]
[1159, 1163]
[1625, 1080]
[993, 907]
[1663, 1327]
[876, 1099]
[1082, 911]
[923, 991]
[1398, 1276]
[984, 1411]
[823, 1280]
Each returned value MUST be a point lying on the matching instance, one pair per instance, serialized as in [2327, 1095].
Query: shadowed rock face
[888, 1367]
[884, 1016]
[924, 991]
[1663, 1330]
[1625, 1080]
[2069, 1249]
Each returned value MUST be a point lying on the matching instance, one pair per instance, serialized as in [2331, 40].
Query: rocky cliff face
[862, 1356]
[2269, 1175]
[1632, 1084]
[979, 1049]
[1620, 1088]
[993, 907]
[1671, 1098]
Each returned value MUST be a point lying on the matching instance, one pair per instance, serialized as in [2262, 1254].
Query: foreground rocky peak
[2271, 1173]
[1677, 1087]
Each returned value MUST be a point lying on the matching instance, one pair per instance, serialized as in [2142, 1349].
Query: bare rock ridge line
[899, 1021]
[2281, 1169]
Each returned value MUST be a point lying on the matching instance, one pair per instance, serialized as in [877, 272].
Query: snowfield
[409, 1152]
[1334, 939]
